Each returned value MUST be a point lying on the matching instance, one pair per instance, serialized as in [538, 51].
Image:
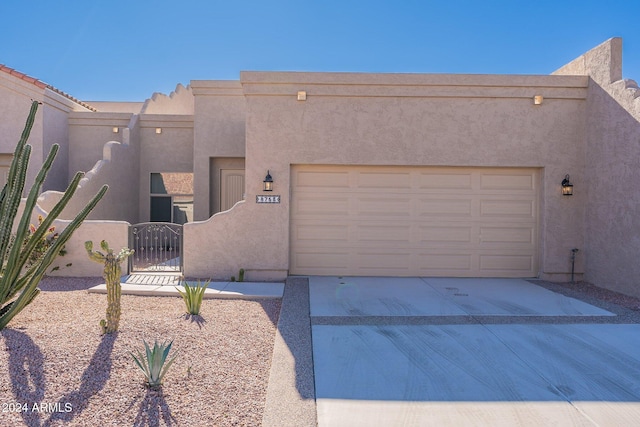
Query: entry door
[231, 187]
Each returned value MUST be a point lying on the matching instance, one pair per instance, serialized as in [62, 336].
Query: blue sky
[127, 50]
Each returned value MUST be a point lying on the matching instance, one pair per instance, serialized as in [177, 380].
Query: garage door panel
[414, 221]
[509, 208]
[321, 205]
[442, 181]
[507, 182]
[384, 234]
[312, 180]
[310, 234]
[384, 180]
[501, 262]
[508, 234]
[444, 207]
[444, 234]
[382, 263]
[392, 205]
[429, 263]
[322, 260]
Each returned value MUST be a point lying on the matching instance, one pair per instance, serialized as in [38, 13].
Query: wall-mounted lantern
[115, 129]
[567, 186]
[537, 100]
[267, 184]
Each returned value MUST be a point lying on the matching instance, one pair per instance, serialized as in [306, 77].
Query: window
[171, 197]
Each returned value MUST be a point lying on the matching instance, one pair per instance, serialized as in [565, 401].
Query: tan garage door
[414, 221]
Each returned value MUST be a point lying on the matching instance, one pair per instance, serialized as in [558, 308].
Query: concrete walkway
[450, 352]
[165, 284]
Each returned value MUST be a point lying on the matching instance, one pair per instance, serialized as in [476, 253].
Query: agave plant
[19, 278]
[154, 363]
[192, 296]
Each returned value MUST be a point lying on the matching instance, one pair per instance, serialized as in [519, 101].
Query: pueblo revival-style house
[288, 173]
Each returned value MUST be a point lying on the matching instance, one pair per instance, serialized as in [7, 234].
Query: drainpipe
[573, 262]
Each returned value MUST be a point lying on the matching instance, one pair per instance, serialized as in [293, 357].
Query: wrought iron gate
[157, 246]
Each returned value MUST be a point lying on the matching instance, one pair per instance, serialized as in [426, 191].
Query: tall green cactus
[15, 276]
[112, 273]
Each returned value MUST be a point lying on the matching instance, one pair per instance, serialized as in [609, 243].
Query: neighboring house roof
[43, 85]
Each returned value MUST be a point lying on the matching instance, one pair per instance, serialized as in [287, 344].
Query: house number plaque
[267, 199]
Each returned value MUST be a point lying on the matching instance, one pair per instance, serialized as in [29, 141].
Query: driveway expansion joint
[470, 320]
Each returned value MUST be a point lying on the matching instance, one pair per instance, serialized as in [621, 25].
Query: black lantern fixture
[567, 186]
[267, 183]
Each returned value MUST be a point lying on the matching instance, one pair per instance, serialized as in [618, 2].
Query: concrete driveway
[480, 352]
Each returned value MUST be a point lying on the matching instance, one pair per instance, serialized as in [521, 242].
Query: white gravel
[56, 369]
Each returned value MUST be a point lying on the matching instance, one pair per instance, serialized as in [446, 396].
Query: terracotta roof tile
[42, 85]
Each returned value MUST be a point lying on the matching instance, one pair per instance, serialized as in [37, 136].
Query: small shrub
[154, 363]
[241, 275]
[42, 245]
[193, 295]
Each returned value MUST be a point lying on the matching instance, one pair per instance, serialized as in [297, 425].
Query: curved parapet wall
[218, 247]
[180, 101]
[119, 169]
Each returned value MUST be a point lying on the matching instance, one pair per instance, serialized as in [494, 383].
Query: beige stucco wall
[56, 109]
[612, 222]
[88, 132]
[180, 101]
[114, 232]
[15, 102]
[50, 126]
[219, 132]
[115, 165]
[363, 119]
[169, 151]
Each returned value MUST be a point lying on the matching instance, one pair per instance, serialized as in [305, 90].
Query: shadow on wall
[613, 187]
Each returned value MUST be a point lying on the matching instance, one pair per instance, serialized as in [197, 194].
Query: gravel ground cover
[625, 306]
[56, 369]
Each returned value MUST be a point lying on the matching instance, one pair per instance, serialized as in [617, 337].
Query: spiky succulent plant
[19, 278]
[154, 363]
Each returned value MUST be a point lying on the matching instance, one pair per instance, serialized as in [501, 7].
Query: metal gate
[157, 246]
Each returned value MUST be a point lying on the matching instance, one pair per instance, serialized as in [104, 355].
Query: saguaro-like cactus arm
[111, 274]
[15, 183]
[25, 221]
[30, 280]
[14, 276]
[93, 256]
